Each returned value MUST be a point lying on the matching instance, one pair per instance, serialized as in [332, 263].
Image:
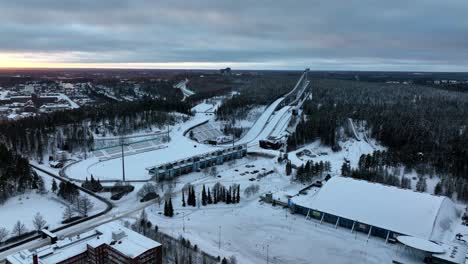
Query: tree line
[73, 129]
[418, 124]
[16, 176]
[258, 90]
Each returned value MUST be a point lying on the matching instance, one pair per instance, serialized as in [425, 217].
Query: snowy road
[113, 215]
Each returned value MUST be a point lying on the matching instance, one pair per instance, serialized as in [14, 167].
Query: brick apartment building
[109, 243]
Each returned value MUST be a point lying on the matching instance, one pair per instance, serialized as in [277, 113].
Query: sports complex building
[425, 223]
[377, 210]
[205, 160]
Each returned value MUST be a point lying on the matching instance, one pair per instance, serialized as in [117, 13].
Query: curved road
[14, 247]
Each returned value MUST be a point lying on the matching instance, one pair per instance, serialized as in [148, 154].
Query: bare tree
[3, 234]
[39, 222]
[84, 205]
[19, 229]
[68, 213]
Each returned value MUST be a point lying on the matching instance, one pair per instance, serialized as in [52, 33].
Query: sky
[396, 35]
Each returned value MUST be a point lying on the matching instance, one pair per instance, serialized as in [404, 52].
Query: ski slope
[283, 123]
[273, 124]
[260, 124]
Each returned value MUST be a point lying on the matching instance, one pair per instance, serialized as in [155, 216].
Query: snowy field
[24, 207]
[248, 228]
[351, 150]
[179, 147]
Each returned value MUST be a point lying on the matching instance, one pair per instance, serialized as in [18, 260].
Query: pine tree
[288, 168]
[54, 186]
[345, 170]
[203, 196]
[183, 199]
[215, 196]
[189, 196]
[210, 200]
[170, 208]
[228, 196]
[194, 199]
[438, 189]
[166, 208]
[238, 194]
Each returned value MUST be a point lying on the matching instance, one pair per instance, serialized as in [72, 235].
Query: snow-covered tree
[19, 229]
[421, 185]
[3, 234]
[54, 186]
[146, 188]
[67, 213]
[84, 205]
[39, 222]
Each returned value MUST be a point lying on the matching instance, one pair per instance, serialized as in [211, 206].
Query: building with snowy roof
[108, 243]
[379, 210]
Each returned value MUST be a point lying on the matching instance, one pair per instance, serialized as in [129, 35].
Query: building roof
[421, 244]
[124, 240]
[403, 211]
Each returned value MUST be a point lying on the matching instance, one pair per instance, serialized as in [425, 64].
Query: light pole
[268, 247]
[183, 221]
[123, 162]
[219, 237]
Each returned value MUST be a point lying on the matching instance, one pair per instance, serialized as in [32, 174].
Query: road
[271, 122]
[110, 216]
[111, 213]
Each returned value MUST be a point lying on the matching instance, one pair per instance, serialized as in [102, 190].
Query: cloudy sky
[418, 35]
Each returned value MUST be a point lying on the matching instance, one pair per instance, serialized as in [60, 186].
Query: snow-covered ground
[351, 150]
[260, 124]
[179, 147]
[23, 208]
[247, 229]
[245, 123]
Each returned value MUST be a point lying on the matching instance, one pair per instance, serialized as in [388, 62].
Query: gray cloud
[352, 34]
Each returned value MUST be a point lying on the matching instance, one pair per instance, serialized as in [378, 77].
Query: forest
[72, 129]
[423, 127]
[16, 175]
[259, 90]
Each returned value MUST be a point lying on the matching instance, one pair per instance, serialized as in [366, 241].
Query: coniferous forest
[423, 127]
[16, 175]
[72, 129]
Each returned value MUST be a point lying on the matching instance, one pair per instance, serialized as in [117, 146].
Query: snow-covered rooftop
[404, 211]
[127, 242]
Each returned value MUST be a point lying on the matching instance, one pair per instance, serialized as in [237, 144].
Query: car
[252, 179]
[242, 174]
[219, 176]
[236, 170]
